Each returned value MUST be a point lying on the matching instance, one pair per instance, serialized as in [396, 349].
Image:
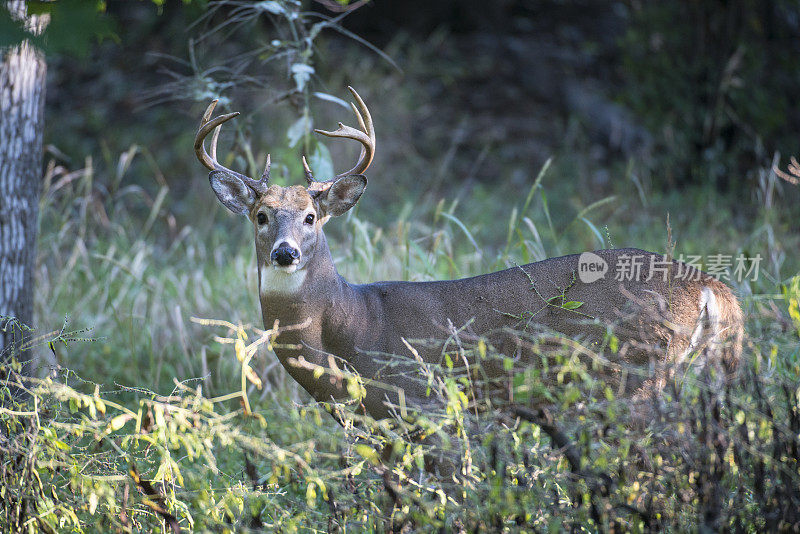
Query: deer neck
[316, 310]
[315, 291]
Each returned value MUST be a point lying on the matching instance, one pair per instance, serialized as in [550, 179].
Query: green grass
[149, 389]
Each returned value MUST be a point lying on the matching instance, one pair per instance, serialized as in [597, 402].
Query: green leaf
[301, 74]
[118, 422]
[37, 7]
[572, 305]
[75, 25]
[321, 162]
[368, 453]
[311, 494]
[298, 129]
[57, 443]
[331, 98]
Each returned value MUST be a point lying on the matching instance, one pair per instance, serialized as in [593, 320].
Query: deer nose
[284, 254]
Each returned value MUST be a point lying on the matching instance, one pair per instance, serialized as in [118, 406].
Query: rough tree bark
[22, 86]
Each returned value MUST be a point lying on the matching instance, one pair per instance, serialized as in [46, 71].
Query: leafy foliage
[240, 449]
[73, 26]
[720, 458]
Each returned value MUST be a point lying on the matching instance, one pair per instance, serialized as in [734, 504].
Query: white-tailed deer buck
[661, 315]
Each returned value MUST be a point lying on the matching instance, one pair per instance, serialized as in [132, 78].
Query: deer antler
[794, 169]
[210, 161]
[365, 136]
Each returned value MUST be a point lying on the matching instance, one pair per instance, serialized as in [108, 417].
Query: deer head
[288, 220]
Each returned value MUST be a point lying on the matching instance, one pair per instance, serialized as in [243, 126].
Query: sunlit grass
[161, 391]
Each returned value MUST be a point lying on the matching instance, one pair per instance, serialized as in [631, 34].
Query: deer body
[338, 325]
[360, 325]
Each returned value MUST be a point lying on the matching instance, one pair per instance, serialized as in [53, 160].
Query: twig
[154, 500]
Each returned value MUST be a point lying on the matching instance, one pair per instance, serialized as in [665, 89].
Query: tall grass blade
[536, 185]
[457, 222]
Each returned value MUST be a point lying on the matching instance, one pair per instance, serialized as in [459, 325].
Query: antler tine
[265, 174]
[207, 125]
[209, 110]
[365, 122]
[794, 172]
[214, 139]
[365, 137]
[309, 176]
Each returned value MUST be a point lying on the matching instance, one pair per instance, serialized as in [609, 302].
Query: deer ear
[342, 194]
[232, 192]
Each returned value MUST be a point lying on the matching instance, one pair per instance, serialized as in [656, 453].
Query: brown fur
[359, 326]
[293, 198]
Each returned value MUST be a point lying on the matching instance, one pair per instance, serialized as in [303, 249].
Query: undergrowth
[159, 418]
[708, 458]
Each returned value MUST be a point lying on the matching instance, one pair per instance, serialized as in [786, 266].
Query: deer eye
[310, 218]
[261, 218]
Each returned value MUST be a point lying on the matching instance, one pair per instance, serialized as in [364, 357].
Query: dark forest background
[693, 93]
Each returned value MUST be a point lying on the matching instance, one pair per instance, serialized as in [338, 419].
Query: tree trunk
[22, 83]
